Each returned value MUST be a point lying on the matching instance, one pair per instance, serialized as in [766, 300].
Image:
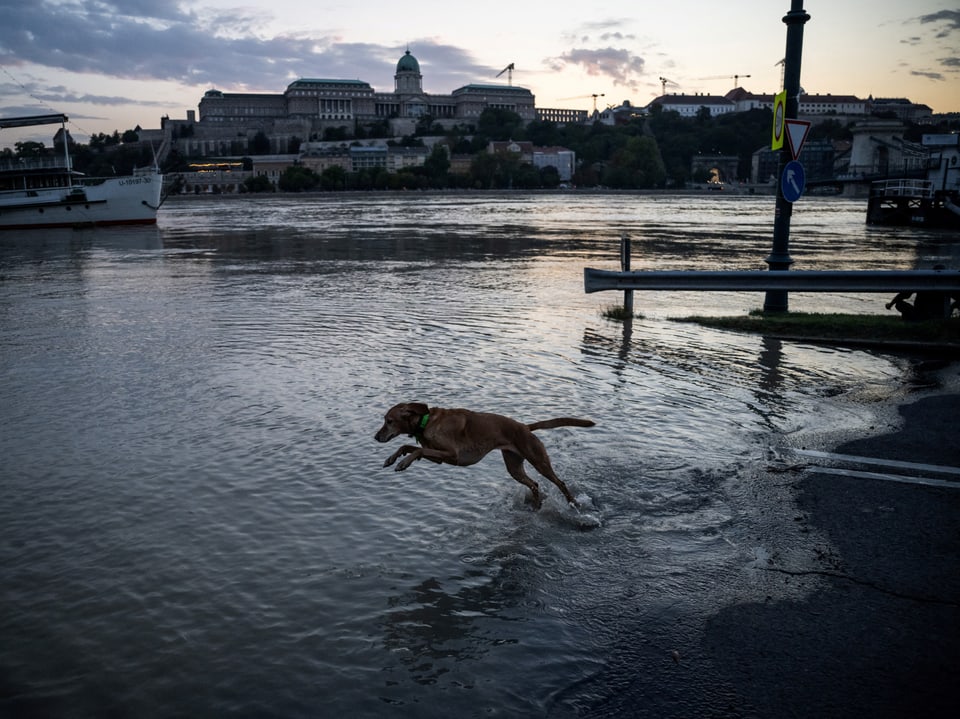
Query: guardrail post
[625, 267]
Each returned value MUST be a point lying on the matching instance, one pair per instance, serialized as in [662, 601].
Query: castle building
[311, 106]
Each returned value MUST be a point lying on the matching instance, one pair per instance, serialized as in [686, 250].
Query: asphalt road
[882, 637]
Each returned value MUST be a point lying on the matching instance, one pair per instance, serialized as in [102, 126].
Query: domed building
[408, 78]
[408, 89]
[311, 106]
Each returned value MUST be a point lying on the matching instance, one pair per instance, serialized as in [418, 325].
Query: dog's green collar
[421, 427]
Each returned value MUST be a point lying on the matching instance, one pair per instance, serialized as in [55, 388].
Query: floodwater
[195, 520]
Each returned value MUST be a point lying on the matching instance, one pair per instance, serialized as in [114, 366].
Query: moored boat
[912, 202]
[47, 192]
[932, 201]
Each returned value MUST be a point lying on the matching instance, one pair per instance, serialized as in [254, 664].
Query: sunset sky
[115, 64]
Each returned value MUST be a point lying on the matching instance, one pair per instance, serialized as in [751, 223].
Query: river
[196, 520]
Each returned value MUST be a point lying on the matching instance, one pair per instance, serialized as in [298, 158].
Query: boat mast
[66, 149]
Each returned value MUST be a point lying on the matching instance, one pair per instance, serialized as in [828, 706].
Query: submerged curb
[948, 349]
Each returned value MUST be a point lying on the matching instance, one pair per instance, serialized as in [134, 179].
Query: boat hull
[132, 200]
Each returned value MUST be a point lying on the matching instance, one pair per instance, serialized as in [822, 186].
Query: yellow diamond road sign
[779, 119]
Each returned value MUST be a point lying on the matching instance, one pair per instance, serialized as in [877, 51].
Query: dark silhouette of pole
[625, 267]
[779, 259]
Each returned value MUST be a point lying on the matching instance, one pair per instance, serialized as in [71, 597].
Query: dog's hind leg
[541, 462]
[514, 464]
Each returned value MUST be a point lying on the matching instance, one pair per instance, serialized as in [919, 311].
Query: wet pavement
[881, 637]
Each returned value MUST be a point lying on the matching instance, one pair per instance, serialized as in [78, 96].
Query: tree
[333, 178]
[297, 178]
[437, 165]
[483, 169]
[258, 183]
[549, 177]
[543, 133]
[29, 149]
[499, 125]
[525, 177]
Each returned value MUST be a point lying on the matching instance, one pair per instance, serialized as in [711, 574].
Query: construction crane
[584, 97]
[735, 78]
[509, 70]
[663, 85]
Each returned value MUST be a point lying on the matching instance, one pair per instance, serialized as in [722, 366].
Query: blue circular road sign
[793, 181]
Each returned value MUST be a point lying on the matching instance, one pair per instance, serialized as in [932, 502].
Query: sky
[116, 64]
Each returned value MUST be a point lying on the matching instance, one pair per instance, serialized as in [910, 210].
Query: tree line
[645, 152]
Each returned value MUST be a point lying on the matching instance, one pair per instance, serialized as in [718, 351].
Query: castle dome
[408, 63]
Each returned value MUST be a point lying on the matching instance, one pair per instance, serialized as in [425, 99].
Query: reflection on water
[195, 515]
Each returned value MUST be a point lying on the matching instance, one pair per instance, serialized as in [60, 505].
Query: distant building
[689, 105]
[272, 166]
[902, 109]
[880, 150]
[309, 107]
[562, 116]
[559, 157]
[944, 167]
[523, 149]
[809, 104]
[818, 158]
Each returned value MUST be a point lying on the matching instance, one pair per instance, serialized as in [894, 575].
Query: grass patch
[618, 312]
[864, 328]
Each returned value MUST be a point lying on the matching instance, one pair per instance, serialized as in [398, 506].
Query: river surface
[195, 520]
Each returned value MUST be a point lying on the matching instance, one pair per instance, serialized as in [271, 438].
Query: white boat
[47, 192]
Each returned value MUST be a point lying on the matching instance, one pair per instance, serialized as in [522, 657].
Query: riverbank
[742, 192]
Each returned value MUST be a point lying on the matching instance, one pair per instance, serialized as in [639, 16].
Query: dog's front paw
[407, 461]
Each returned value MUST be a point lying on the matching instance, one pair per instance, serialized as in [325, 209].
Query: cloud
[145, 40]
[950, 17]
[619, 65]
[56, 95]
[944, 24]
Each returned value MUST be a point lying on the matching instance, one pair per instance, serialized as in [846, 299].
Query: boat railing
[32, 164]
[919, 189]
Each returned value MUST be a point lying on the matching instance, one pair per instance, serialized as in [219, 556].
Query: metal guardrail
[880, 281]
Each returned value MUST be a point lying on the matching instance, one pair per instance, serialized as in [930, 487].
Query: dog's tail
[561, 422]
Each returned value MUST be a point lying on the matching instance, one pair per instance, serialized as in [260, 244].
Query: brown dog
[462, 437]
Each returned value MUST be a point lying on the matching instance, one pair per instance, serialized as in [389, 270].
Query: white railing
[922, 189]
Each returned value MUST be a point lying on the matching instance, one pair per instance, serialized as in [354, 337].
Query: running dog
[462, 437]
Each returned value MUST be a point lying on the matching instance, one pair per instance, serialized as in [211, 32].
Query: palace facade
[309, 107]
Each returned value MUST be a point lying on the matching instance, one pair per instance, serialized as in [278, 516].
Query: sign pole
[779, 259]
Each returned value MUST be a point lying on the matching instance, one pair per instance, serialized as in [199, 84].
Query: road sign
[793, 180]
[796, 135]
[779, 113]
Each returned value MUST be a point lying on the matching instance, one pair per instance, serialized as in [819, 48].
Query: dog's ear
[415, 410]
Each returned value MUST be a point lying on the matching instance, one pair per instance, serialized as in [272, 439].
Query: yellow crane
[509, 70]
[735, 78]
[584, 97]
